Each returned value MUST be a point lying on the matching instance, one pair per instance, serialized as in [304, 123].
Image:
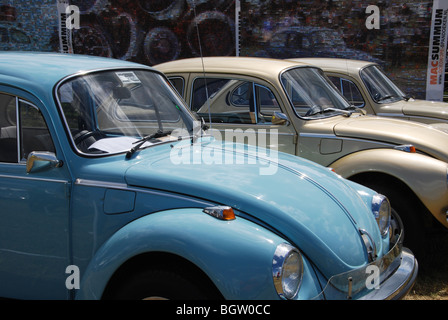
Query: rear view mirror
[39, 159]
[280, 118]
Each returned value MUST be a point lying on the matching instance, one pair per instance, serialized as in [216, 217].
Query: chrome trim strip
[126, 187]
[33, 178]
[400, 283]
[331, 136]
[101, 184]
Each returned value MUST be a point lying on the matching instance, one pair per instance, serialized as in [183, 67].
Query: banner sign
[65, 31]
[437, 51]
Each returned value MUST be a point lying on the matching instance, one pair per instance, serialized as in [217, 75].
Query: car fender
[424, 175]
[226, 251]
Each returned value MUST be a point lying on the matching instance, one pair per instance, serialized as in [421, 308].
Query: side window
[349, 90]
[233, 101]
[8, 129]
[178, 83]
[204, 89]
[33, 131]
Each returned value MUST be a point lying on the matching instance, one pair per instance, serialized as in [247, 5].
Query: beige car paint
[354, 146]
[424, 111]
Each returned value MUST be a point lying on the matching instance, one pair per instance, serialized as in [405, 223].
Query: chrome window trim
[10, 176]
[331, 136]
[61, 111]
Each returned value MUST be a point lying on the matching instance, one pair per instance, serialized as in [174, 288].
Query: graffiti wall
[155, 31]
[148, 32]
[399, 41]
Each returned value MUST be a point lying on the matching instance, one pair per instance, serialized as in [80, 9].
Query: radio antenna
[203, 67]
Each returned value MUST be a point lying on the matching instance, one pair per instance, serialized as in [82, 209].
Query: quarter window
[349, 90]
[233, 101]
[178, 83]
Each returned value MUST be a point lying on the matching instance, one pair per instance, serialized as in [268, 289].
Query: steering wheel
[82, 135]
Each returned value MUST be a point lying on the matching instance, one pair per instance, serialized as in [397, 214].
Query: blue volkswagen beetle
[109, 190]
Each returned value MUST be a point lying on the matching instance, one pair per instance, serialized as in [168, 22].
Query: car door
[34, 207]
[242, 110]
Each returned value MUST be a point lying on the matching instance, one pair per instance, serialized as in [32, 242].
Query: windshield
[380, 87]
[109, 112]
[312, 94]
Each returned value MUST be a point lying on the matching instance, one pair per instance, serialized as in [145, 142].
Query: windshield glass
[380, 87]
[312, 94]
[108, 112]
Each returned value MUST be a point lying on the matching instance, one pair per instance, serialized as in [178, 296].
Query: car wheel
[159, 284]
[406, 207]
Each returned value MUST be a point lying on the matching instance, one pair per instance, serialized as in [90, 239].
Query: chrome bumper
[400, 282]
[397, 272]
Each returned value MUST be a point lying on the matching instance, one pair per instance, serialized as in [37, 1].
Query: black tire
[160, 284]
[407, 207]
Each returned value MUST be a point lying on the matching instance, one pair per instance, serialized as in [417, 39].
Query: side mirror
[40, 159]
[279, 118]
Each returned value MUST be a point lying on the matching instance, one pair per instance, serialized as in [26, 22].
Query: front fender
[425, 176]
[236, 255]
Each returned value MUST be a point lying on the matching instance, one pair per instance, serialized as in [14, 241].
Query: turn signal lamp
[406, 147]
[220, 212]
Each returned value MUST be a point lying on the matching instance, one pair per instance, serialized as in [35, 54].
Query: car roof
[336, 64]
[40, 71]
[264, 68]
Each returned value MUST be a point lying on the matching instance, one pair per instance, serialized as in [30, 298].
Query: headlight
[381, 210]
[287, 270]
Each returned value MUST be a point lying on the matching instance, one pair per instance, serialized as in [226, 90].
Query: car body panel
[97, 210]
[208, 242]
[429, 112]
[333, 139]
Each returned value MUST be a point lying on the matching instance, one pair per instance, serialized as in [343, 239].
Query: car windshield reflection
[110, 112]
[380, 87]
[311, 93]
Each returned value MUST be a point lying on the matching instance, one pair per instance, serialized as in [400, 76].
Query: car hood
[424, 108]
[425, 138]
[314, 208]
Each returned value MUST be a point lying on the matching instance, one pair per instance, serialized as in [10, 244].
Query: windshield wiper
[345, 112]
[140, 142]
[352, 109]
[388, 97]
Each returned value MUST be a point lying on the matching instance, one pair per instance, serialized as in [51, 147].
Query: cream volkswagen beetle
[366, 86]
[302, 113]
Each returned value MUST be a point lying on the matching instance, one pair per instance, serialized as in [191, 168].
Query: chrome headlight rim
[382, 212]
[287, 271]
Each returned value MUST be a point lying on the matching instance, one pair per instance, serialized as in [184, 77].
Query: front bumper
[400, 283]
[390, 277]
